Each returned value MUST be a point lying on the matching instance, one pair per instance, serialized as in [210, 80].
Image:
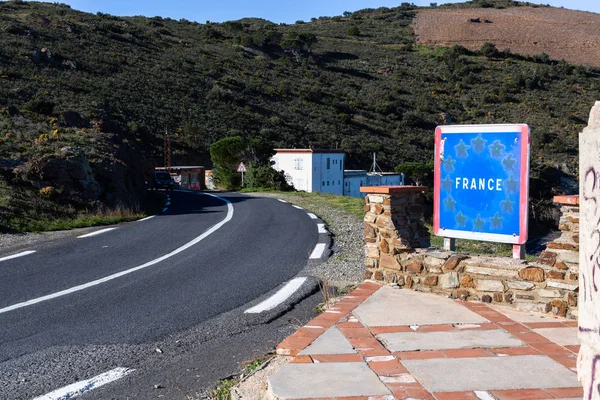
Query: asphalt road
[188, 306]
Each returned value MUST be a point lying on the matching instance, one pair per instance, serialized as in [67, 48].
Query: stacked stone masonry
[398, 253]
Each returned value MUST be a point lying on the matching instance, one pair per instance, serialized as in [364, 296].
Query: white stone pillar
[588, 363]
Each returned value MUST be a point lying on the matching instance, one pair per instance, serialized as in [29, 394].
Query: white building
[312, 170]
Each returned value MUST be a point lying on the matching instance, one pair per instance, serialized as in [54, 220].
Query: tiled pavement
[380, 343]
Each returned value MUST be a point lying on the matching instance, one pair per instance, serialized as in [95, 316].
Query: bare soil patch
[562, 34]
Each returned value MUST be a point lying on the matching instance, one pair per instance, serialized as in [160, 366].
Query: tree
[298, 43]
[489, 50]
[420, 172]
[354, 31]
[226, 154]
[265, 176]
[256, 153]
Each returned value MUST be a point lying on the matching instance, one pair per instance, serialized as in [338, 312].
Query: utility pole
[167, 150]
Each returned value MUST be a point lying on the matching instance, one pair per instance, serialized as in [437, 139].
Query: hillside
[85, 99]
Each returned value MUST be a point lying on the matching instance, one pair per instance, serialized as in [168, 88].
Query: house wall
[298, 168]
[353, 180]
[328, 173]
[352, 183]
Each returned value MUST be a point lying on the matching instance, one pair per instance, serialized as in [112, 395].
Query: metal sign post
[481, 184]
[242, 168]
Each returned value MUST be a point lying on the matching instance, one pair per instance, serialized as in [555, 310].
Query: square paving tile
[491, 373]
[332, 341]
[306, 381]
[412, 341]
[562, 336]
[397, 307]
[525, 316]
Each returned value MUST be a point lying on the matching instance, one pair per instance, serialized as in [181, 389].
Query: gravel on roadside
[347, 264]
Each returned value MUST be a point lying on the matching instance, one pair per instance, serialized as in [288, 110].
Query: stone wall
[588, 364]
[398, 253]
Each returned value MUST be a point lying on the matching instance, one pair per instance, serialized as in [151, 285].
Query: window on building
[327, 183]
[328, 163]
[298, 163]
[323, 183]
[339, 182]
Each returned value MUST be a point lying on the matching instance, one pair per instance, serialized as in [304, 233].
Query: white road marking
[168, 203]
[25, 253]
[74, 289]
[278, 298]
[283, 201]
[165, 209]
[312, 216]
[96, 233]
[322, 228]
[147, 218]
[298, 207]
[81, 387]
[318, 251]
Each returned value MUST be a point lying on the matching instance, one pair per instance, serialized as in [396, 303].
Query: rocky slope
[85, 99]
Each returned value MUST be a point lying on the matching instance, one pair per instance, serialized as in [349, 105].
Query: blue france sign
[481, 182]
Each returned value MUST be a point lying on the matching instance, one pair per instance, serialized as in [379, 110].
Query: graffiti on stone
[588, 365]
[591, 197]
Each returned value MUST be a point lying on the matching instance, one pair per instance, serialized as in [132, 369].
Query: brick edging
[388, 366]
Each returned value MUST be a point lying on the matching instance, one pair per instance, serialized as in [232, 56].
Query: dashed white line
[283, 201]
[24, 253]
[129, 271]
[96, 233]
[318, 251]
[165, 209]
[322, 228]
[168, 203]
[278, 298]
[147, 218]
[312, 216]
[81, 387]
[298, 207]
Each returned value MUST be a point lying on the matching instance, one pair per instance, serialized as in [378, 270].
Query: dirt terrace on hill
[562, 34]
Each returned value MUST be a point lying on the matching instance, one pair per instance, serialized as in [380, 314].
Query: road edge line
[85, 386]
[17, 255]
[78, 288]
[96, 233]
[279, 297]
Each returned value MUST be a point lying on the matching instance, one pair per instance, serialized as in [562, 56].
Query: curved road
[264, 244]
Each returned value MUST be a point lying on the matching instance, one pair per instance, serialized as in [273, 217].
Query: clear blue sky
[287, 11]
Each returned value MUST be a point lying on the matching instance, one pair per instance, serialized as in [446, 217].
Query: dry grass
[562, 34]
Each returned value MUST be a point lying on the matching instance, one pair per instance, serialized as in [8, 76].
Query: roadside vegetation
[314, 202]
[223, 389]
[29, 219]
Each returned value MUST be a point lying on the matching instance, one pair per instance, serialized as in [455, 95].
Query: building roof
[320, 151]
[180, 167]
